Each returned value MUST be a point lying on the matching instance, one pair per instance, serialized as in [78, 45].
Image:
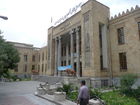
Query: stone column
[56, 55]
[67, 54]
[77, 51]
[59, 53]
[71, 38]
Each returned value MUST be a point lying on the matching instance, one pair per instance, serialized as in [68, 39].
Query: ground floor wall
[90, 82]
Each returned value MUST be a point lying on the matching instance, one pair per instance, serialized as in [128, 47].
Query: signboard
[69, 14]
[62, 68]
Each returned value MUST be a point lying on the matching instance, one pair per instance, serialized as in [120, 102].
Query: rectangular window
[101, 62]
[25, 58]
[121, 35]
[33, 67]
[39, 58]
[33, 58]
[139, 28]
[25, 68]
[16, 69]
[42, 67]
[38, 68]
[42, 56]
[123, 61]
[104, 83]
[45, 67]
[100, 35]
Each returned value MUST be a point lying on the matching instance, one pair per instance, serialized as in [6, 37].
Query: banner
[62, 68]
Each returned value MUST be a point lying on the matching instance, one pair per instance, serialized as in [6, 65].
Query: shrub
[94, 93]
[128, 80]
[136, 94]
[115, 98]
[66, 88]
[126, 83]
[73, 96]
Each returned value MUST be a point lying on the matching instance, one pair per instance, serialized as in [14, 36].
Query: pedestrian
[83, 96]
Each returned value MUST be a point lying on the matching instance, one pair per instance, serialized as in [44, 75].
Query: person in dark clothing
[83, 96]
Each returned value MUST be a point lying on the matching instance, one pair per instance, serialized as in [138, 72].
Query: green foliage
[73, 96]
[115, 98]
[95, 93]
[66, 88]
[15, 77]
[126, 83]
[9, 57]
[128, 80]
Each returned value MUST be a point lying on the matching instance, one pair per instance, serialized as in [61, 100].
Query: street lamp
[4, 17]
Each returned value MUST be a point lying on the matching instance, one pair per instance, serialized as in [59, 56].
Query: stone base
[59, 96]
[94, 102]
[41, 91]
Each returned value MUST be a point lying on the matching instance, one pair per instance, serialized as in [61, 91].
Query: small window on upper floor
[121, 39]
[139, 29]
[25, 58]
[33, 58]
[43, 56]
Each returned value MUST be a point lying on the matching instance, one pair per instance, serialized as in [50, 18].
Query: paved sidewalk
[21, 93]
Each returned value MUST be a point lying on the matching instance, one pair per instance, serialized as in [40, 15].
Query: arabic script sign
[69, 14]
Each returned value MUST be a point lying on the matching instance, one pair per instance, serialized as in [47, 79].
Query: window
[38, 68]
[45, 67]
[69, 62]
[42, 67]
[25, 68]
[25, 58]
[104, 83]
[16, 69]
[121, 35]
[101, 62]
[33, 58]
[139, 28]
[100, 35]
[123, 61]
[42, 56]
[39, 57]
[33, 67]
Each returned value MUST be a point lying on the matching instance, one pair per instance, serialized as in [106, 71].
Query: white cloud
[29, 19]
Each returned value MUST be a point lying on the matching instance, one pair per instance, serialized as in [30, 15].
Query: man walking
[83, 96]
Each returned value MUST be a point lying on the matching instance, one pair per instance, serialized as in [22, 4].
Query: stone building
[95, 45]
[42, 63]
[28, 59]
[31, 60]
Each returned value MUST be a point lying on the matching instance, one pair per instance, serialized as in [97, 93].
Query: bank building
[96, 45]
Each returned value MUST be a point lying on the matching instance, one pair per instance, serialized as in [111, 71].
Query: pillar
[71, 42]
[77, 51]
[56, 55]
[59, 53]
[67, 54]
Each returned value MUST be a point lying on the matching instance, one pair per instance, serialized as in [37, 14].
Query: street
[20, 93]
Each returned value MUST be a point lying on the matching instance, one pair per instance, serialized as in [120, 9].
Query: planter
[94, 102]
[41, 91]
[59, 96]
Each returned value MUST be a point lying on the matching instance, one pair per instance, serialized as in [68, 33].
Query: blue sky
[29, 19]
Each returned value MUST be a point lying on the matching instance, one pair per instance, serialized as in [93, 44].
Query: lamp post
[4, 17]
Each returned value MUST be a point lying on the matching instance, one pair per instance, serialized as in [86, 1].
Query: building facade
[31, 60]
[42, 63]
[95, 45]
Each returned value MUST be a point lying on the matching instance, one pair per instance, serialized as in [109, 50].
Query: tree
[9, 57]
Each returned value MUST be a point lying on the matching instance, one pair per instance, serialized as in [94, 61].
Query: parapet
[125, 13]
